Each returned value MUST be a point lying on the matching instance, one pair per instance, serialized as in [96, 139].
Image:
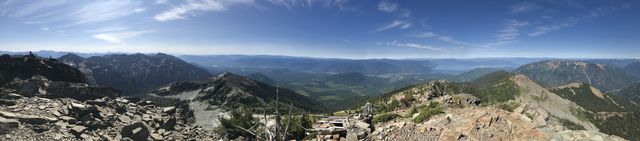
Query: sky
[327, 28]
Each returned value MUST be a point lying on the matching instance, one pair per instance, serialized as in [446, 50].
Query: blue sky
[327, 28]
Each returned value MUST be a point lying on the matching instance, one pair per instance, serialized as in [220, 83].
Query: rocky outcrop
[463, 124]
[537, 99]
[42, 87]
[583, 135]
[30, 65]
[535, 114]
[480, 124]
[137, 131]
[7, 125]
[65, 111]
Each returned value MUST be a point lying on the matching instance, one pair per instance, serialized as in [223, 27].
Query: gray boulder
[7, 125]
[137, 131]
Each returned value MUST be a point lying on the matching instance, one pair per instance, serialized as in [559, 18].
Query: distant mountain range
[553, 73]
[136, 73]
[633, 68]
[58, 54]
[632, 92]
[222, 63]
[314, 65]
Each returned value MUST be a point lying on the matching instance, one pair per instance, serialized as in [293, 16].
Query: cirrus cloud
[119, 37]
[395, 24]
[191, 6]
[523, 7]
[387, 6]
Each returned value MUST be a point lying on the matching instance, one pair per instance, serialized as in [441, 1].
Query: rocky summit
[441, 110]
[480, 124]
[40, 109]
[24, 67]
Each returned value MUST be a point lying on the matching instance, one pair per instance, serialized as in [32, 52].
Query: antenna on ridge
[277, 95]
[277, 114]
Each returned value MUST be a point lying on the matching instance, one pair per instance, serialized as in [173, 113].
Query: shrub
[494, 88]
[509, 106]
[427, 112]
[570, 125]
[297, 127]
[412, 111]
[585, 97]
[529, 115]
[417, 109]
[384, 117]
[382, 107]
[238, 118]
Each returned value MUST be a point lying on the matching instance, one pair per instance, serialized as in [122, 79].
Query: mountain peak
[72, 56]
[138, 73]
[225, 75]
[234, 91]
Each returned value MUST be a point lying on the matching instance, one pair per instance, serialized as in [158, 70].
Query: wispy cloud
[540, 30]
[62, 15]
[139, 10]
[291, 4]
[387, 6]
[444, 38]
[509, 33]
[106, 10]
[405, 13]
[411, 45]
[180, 12]
[69, 13]
[119, 37]
[177, 13]
[523, 7]
[403, 21]
[35, 7]
[395, 24]
[111, 28]
[341, 4]
[161, 1]
[572, 21]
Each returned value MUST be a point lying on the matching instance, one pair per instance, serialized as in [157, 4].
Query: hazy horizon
[317, 57]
